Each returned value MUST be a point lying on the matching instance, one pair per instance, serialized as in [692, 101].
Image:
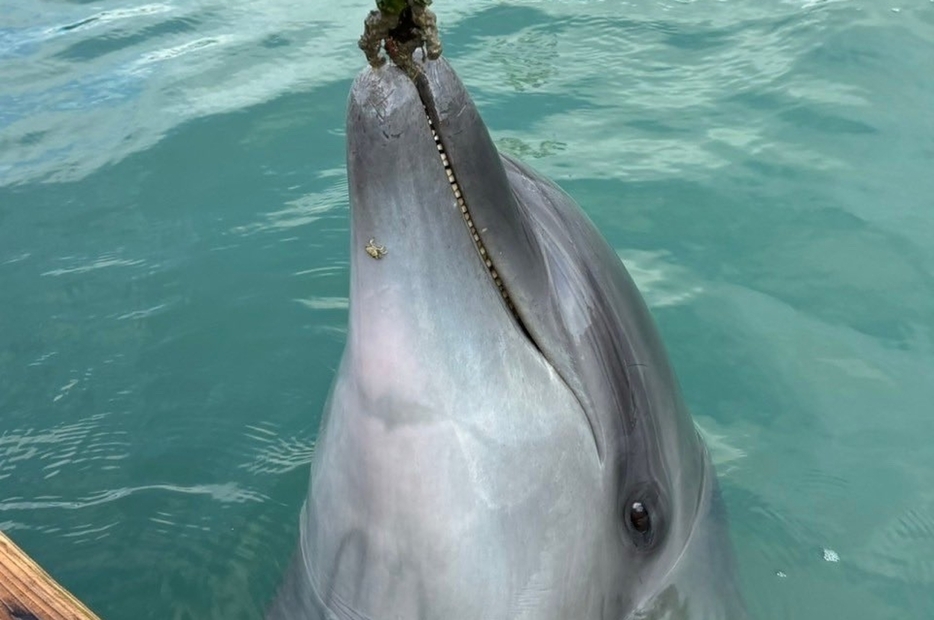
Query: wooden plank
[28, 593]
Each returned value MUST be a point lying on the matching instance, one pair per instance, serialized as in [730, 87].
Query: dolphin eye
[643, 516]
[639, 518]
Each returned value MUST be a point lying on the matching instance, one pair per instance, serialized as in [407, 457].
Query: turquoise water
[173, 270]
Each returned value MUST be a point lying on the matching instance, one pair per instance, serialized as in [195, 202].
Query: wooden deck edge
[28, 593]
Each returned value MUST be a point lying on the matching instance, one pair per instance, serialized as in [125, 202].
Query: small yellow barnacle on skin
[375, 251]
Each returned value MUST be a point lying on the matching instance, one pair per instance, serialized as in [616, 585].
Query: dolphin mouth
[433, 118]
[450, 121]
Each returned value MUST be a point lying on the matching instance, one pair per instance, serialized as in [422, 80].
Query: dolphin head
[505, 437]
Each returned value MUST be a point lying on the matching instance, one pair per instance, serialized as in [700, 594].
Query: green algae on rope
[400, 27]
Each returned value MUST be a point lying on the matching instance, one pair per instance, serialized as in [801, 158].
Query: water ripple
[98, 263]
[277, 454]
[659, 280]
[224, 493]
[66, 445]
[155, 79]
[302, 211]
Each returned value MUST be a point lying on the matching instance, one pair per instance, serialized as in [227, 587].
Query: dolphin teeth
[465, 211]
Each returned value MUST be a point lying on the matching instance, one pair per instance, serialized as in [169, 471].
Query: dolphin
[505, 438]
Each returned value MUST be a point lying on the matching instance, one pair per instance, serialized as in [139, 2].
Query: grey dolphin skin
[505, 438]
